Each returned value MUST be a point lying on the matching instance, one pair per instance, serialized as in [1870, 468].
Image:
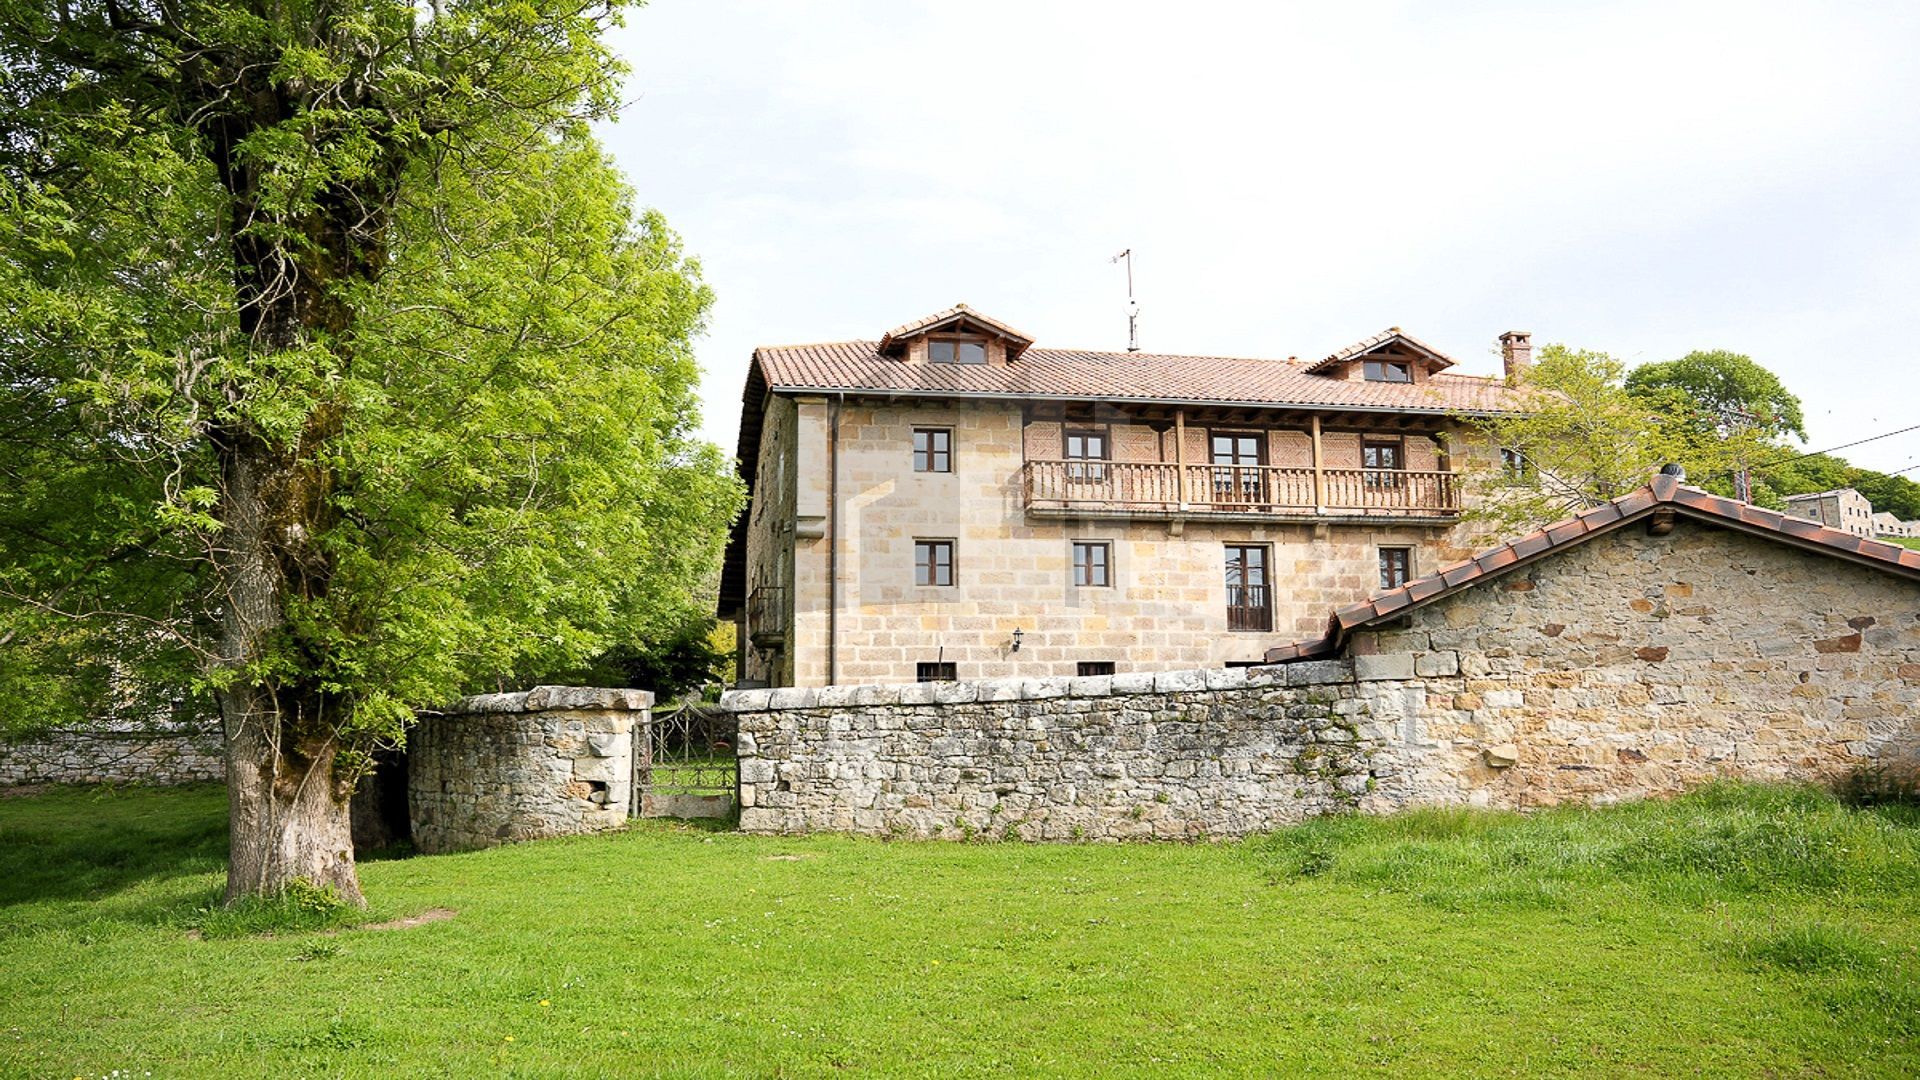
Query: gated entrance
[684, 764]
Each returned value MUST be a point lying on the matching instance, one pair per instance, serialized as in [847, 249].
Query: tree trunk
[287, 821]
[289, 817]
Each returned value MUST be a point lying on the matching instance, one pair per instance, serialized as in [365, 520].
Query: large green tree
[1588, 436]
[1723, 390]
[337, 371]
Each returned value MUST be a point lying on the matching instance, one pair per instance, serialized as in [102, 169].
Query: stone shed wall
[1630, 665]
[550, 761]
[167, 755]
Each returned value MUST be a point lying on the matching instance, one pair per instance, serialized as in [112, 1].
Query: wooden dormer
[958, 335]
[1390, 356]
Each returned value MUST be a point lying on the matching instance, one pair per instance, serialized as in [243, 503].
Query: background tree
[1722, 389]
[1584, 440]
[1597, 430]
[340, 375]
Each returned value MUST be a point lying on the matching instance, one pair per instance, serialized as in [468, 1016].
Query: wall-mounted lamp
[1016, 639]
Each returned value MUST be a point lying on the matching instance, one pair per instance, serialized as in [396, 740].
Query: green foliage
[1722, 389]
[828, 955]
[1584, 440]
[1595, 432]
[686, 663]
[372, 253]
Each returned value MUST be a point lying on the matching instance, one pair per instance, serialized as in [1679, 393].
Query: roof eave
[991, 395]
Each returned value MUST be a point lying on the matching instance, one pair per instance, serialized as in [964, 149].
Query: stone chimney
[1516, 348]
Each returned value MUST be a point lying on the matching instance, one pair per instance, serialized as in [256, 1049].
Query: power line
[1829, 450]
[1842, 446]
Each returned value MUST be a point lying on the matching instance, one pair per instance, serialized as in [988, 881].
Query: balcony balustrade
[1167, 489]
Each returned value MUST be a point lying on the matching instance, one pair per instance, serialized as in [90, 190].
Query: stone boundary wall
[1167, 755]
[169, 755]
[496, 768]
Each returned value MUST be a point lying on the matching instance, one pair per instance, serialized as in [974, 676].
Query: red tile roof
[958, 314]
[1391, 335]
[1664, 494]
[1056, 374]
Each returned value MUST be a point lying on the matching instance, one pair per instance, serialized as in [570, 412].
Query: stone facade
[1627, 666]
[1844, 509]
[164, 755]
[550, 761]
[1166, 605]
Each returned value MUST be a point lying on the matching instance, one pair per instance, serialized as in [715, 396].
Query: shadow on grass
[83, 843]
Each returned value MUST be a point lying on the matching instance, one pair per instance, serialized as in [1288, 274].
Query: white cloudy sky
[1642, 178]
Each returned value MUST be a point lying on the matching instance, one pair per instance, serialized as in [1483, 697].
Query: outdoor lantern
[1016, 639]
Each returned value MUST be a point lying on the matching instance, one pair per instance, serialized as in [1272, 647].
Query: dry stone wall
[550, 761]
[167, 755]
[1628, 666]
[1166, 755]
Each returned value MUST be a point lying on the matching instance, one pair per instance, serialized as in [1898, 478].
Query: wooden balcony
[1167, 490]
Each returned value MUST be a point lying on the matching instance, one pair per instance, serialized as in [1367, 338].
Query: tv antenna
[1133, 306]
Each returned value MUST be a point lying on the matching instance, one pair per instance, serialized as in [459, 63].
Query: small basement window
[1389, 371]
[956, 351]
[939, 671]
[1095, 667]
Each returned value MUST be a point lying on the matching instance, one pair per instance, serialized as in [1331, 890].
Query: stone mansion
[954, 501]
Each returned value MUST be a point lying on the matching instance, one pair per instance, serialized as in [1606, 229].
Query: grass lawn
[1739, 931]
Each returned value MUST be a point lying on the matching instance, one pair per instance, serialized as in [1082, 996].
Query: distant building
[1885, 524]
[1849, 511]
[1842, 508]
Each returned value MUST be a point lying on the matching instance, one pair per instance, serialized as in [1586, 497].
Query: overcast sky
[1640, 178]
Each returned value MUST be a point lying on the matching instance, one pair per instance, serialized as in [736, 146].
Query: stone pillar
[551, 761]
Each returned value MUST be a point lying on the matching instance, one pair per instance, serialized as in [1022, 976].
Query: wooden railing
[1399, 490]
[1249, 607]
[1272, 489]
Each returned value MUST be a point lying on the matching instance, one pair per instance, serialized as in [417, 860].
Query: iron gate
[684, 764]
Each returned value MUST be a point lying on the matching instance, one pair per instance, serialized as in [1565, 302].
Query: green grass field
[1739, 931]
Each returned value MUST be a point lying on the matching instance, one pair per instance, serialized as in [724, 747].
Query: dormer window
[956, 351]
[1389, 371]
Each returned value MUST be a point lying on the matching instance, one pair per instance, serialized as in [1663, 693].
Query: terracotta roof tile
[1050, 373]
[1563, 531]
[1495, 559]
[1391, 601]
[953, 314]
[1531, 544]
[1354, 614]
[1634, 502]
[1392, 334]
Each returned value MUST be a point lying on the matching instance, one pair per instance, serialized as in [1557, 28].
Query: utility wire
[1829, 450]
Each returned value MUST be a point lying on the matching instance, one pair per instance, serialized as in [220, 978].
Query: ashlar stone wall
[550, 761]
[1628, 666]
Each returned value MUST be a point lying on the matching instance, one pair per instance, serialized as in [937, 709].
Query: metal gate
[684, 764]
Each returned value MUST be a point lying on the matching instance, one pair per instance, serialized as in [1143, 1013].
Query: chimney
[1516, 349]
